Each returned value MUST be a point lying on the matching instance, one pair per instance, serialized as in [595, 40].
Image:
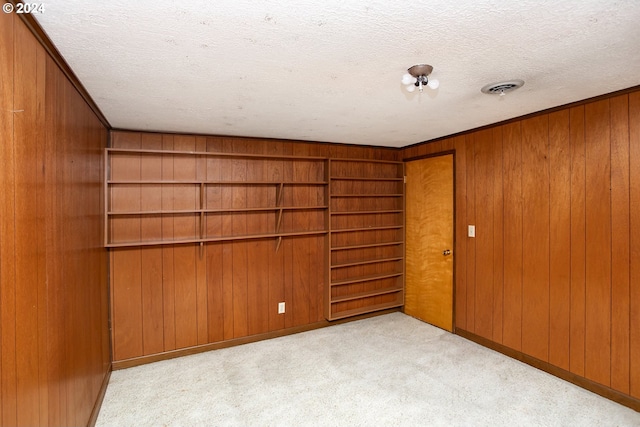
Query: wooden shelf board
[369, 278]
[370, 245]
[351, 160]
[368, 195]
[213, 154]
[366, 294]
[216, 211]
[366, 212]
[365, 262]
[349, 230]
[363, 310]
[360, 178]
[213, 239]
[193, 182]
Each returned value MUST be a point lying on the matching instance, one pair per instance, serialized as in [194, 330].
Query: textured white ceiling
[330, 70]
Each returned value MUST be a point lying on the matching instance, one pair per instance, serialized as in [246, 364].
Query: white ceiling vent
[502, 88]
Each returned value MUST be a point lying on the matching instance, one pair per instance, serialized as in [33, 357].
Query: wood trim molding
[528, 116]
[51, 49]
[137, 361]
[585, 383]
[96, 408]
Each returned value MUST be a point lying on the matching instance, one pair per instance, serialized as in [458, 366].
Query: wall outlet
[472, 231]
[280, 307]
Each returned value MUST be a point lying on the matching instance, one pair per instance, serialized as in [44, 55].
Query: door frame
[455, 245]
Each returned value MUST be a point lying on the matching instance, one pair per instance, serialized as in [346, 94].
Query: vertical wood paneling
[559, 239]
[239, 248]
[53, 289]
[483, 175]
[535, 237]
[620, 261]
[151, 259]
[598, 243]
[202, 311]
[513, 250]
[184, 256]
[8, 401]
[498, 235]
[634, 244]
[460, 254]
[26, 260]
[126, 289]
[562, 190]
[168, 271]
[275, 172]
[215, 308]
[471, 241]
[578, 208]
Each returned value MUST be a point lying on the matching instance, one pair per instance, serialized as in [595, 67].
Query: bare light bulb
[411, 88]
[433, 83]
[408, 79]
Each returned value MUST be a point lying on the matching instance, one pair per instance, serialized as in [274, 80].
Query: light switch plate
[280, 307]
[472, 231]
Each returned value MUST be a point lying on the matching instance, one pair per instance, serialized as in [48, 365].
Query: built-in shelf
[370, 245]
[365, 262]
[366, 235]
[170, 192]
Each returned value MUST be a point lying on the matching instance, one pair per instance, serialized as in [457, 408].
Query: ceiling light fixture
[418, 77]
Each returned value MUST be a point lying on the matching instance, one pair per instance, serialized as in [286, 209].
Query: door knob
[446, 252]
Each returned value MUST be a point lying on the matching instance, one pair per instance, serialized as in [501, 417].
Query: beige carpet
[390, 370]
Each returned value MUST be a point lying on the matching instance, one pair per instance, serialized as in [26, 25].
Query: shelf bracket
[278, 242]
[279, 220]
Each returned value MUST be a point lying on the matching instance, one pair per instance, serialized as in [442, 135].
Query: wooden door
[429, 240]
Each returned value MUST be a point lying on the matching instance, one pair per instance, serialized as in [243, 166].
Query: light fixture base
[420, 70]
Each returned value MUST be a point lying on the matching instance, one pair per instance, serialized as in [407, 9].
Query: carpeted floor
[389, 370]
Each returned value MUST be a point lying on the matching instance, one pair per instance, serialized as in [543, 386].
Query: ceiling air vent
[502, 88]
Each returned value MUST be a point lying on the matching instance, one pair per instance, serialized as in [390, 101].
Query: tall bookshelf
[366, 237]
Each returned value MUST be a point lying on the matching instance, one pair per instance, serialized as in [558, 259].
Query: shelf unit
[366, 237]
[167, 197]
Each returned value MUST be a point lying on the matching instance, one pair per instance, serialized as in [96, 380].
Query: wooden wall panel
[483, 175]
[559, 239]
[634, 244]
[498, 233]
[461, 240]
[620, 261]
[53, 278]
[8, 371]
[578, 240]
[535, 237]
[227, 290]
[471, 242]
[559, 279]
[598, 243]
[513, 251]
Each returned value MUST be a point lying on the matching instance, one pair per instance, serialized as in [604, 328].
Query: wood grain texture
[429, 222]
[634, 244]
[598, 243]
[498, 235]
[232, 291]
[578, 240]
[559, 239]
[513, 250]
[535, 237]
[620, 230]
[564, 204]
[471, 241]
[8, 371]
[484, 188]
[53, 287]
